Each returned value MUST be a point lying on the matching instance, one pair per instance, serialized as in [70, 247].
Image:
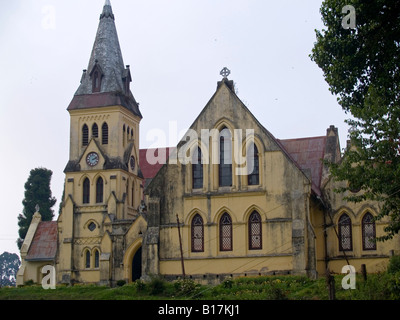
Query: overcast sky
[176, 50]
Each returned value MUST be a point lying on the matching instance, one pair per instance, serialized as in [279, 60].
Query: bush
[185, 287]
[29, 283]
[394, 265]
[228, 283]
[157, 286]
[140, 286]
[121, 283]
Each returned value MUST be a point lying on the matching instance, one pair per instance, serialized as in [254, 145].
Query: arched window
[197, 234]
[197, 169]
[255, 231]
[127, 134]
[85, 135]
[96, 259]
[95, 131]
[86, 191]
[225, 158]
[87, 259]
[253, 166]
[368, 232]
[104, 133]
[99, 190]
[345, 233]
[225, 233]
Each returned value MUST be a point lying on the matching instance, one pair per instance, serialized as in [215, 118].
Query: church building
[229, 200]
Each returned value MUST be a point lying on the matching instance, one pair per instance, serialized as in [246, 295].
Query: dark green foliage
[9, 265]
[394, 265]
[37, 192]
[157, 286]
[121, 283]
[361, 67]
[383, 286]
[187, 288]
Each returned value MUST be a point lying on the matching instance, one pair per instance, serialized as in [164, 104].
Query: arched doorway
[137, 265]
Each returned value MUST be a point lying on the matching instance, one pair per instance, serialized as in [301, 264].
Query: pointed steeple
[106, 72]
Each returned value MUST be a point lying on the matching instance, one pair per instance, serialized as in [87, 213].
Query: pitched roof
[149, 165]
[308, 154]
[44, 243]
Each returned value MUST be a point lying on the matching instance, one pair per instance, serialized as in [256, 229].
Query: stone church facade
[126, 217]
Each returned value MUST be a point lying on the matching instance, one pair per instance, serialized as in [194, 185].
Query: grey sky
[176, 49]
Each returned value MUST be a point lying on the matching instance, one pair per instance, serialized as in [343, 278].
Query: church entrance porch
[133, 261]
[137, 265]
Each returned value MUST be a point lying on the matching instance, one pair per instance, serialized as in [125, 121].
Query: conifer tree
[37, 192]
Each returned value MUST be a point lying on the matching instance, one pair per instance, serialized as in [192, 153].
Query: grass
[384, 286]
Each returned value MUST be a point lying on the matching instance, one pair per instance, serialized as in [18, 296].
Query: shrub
[121, 283]
[228, 283]
[140, 285]
[394, 265]
[185, 287]
[157, 286]
[29, 283]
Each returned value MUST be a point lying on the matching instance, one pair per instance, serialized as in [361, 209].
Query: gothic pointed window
[86, 191]
[255, 231]
[95, 131]
[225, 233]
[87, 259]
[85, 135]
[368, 232]
[197, 234]
[345, 233]
[197, 169]
[104, 133]
[97, 259]
[253, 165]
[99, 190]
[225, 158]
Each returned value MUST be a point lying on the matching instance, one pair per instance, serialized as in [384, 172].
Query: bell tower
[103, 182]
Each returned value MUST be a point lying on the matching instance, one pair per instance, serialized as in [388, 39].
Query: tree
[9, 265]
[361, 67]
[37, 192]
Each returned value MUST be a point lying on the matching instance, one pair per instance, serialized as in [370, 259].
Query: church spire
[107, 10]
[106, 72]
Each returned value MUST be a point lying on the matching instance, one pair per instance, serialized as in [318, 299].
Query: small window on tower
[104, 133]
[95, 131]
[85, 135]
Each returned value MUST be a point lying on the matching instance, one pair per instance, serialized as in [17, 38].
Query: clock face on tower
[92, 159]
